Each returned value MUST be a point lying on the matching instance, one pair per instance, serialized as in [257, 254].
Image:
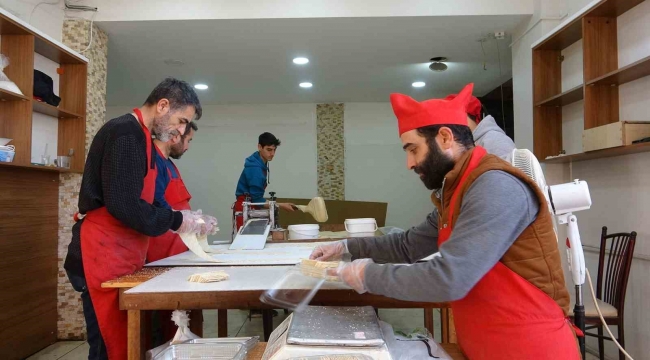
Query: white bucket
[303, 231]
[361, 227]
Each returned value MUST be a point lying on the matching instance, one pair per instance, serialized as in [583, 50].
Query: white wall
[227, 135]
[115, 10]
[375, 165]
[619, 187]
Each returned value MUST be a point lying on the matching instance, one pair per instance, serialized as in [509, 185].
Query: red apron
[170, 244]
[238, 207]
[504, 316]
[111, 249]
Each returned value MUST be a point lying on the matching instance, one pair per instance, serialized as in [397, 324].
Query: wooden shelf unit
[597, 27]
[19, 43]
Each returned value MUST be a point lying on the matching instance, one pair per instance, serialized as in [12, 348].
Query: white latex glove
[197, 223]
[354, 274]
[330, 252]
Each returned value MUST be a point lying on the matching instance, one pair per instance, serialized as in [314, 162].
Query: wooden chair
[614, 265]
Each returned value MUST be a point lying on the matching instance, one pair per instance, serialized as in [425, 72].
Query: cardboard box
[613, 135]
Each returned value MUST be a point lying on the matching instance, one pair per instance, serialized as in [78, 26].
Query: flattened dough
[318, 269]
[191, 241]
[207, 277]
[198, 245]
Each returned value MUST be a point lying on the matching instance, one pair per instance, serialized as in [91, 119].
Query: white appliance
[324, 330]
[252, 236]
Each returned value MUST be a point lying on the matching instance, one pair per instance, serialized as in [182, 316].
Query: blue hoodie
[253, 178]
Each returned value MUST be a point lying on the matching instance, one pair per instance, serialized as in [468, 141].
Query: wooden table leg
[196, 322]
[444, 323]
[448, 327]
[135, 335]
[267, 323]
[222, 323]
[452, 328]
[428, 320]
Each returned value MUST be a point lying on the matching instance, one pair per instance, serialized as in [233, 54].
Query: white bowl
[4, 141]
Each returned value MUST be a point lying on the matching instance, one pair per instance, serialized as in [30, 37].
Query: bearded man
[499, 264]
[116, 212]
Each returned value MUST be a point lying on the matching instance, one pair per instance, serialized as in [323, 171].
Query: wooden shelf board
[567, 35]
[55, 53]
[613, 8]
[565, 98]
[47, 109]
[39, 167]
[603, 153]
[11, 27]
[634, 71]
[6, 95]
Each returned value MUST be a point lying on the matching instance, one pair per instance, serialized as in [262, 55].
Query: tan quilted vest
[534, 255]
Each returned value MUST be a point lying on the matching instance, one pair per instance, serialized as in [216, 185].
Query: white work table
[286, 253]
[241, 278]
[251, 273]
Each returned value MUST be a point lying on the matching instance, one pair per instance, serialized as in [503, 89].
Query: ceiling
[351, 59]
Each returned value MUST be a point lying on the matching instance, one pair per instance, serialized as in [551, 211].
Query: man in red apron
[171, 193]
[499, 262]
[116, 213]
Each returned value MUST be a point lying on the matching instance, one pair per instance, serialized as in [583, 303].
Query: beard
[176, 151]
[161, 128]
[434, 167]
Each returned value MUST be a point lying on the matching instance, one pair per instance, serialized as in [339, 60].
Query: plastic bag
[182, 320]
[414, 345]
[5, 83]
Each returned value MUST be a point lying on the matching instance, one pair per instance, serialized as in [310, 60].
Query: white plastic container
[303, 231]
[361, 227]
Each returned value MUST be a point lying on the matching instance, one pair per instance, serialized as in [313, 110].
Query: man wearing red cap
[499, 262]
[485, 130]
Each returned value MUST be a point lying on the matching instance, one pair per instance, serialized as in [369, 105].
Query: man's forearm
[408, 247]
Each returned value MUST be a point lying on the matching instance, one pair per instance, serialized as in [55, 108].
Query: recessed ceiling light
[300, 60]
[306, 85]
[418, 84]
[201, 87]
[438, 64]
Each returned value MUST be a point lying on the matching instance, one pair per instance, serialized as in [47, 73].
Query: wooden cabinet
[29, 199]
[597, 27]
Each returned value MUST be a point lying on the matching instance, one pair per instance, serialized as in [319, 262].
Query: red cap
[414, 115]
[473, 107]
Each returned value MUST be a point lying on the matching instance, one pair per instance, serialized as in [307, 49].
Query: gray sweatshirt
[494, 212]
[490, 136]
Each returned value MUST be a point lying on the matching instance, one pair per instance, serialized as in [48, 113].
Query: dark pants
[97, 346]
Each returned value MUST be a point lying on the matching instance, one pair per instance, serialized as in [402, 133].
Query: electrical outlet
[499, 35]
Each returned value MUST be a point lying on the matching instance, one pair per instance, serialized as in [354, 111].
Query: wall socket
[499, 35]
